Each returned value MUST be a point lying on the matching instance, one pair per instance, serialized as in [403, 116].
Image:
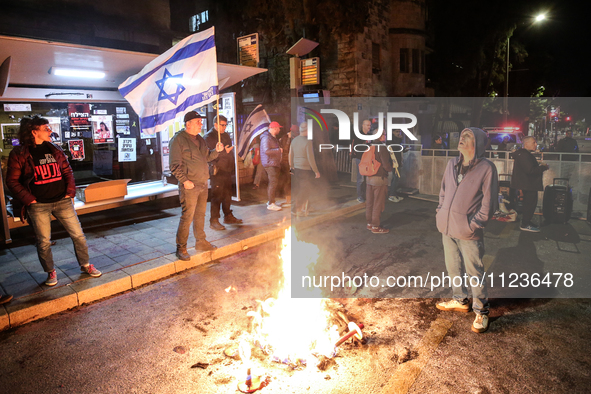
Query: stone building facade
[388, 59]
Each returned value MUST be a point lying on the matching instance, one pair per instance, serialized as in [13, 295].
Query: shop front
[114, 162]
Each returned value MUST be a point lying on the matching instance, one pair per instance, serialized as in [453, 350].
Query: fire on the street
[294, 331]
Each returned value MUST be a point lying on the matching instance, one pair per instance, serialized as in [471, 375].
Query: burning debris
[293, 331]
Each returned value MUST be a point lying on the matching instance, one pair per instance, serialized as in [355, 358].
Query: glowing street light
[538, 18]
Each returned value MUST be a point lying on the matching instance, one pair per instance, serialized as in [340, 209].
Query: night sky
[559, 48]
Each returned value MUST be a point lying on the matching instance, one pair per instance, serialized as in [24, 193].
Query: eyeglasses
[45, 128]
[223, 124]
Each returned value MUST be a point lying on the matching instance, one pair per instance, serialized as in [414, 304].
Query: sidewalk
[135, 245]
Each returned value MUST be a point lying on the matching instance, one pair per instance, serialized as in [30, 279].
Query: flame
[230, 288]
[294, 328]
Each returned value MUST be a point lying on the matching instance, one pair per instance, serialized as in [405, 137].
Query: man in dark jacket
[377, 188]
[568, 144]
[467, 201]
[42, 181]
[271, 153]
[527, 177]
[189, 156]
[221, 170]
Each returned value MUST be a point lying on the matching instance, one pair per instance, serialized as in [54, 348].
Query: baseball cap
[274, 124]
[192, 115]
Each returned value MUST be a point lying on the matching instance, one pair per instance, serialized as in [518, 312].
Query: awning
[32, 59]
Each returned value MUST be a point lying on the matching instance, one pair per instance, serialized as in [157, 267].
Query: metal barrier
[423, 169]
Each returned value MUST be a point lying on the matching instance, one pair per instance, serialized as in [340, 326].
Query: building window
[197, 20]
[404, 60]
[423, 62]
[415, 61]
[375, 57]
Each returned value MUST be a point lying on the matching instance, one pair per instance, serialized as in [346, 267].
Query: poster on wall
[76, 149]
[10, 135]
[56, 129]
[102, 129]
[79, 115]
[127, 150]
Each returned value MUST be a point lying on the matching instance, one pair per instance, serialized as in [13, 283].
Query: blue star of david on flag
[180, 80]
[179, 88]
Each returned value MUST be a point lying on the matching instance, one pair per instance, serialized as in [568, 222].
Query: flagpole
[217, 104]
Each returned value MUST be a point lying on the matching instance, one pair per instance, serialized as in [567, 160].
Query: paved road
[127, 344]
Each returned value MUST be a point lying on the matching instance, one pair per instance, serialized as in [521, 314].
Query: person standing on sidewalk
[377, 188]
[301, 159]
[221, 170]
[467, 201]
[189, 156]
[365, 126]
[42, 182]
[527, 177]
[271, 160]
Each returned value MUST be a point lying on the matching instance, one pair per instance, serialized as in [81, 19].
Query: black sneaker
[231, 219]
[5, 298]
[182, 254]
[216, 225]
[204, 246]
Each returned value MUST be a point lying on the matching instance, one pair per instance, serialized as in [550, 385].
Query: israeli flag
[181, 79]
[257, 123]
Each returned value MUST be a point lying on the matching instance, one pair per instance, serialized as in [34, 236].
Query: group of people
[289, 164]
[468, 196]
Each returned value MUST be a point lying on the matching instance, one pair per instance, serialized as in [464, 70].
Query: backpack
[369, 166]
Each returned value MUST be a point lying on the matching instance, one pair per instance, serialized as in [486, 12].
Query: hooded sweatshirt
[466, 207]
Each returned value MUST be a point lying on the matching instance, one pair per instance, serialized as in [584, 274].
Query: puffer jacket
[465, 208]
[270, 150]
[21, 172]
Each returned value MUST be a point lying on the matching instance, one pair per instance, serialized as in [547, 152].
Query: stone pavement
[135, 245]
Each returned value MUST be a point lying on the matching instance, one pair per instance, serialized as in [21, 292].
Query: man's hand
[219, 147]
[281, 150]
[317, 175]
[188, 185]
[229, 148]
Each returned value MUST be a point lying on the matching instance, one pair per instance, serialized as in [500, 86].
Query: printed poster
[76, 149]
[102, 129]
[56, 129]
[127, 149]
[79, 115]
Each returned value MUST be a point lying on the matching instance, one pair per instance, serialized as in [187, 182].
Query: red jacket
[21, 172]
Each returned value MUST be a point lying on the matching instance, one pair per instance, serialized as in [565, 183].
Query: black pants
[530, 201]
[221, 194]
[302, 185]
[273, 174]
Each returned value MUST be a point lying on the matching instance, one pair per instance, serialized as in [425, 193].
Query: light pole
[538, 18]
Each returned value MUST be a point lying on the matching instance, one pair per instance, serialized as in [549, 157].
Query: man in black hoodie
[527, 177]
[221, 170]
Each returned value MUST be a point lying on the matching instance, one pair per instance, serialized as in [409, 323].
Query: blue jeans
[39, 215]
[360, 179]
[193, 207]
[466, 256]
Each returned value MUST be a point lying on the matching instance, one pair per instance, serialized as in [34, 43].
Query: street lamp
[538, 18]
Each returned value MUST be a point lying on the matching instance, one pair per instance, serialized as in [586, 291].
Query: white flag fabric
[257, 123]
[181, 79]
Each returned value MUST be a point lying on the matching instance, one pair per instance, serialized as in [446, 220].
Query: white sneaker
[393, 199]
[480, 323]
[400, 198]
[453, 305]
[273, 207]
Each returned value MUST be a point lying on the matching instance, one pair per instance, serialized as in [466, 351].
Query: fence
[423, 170]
